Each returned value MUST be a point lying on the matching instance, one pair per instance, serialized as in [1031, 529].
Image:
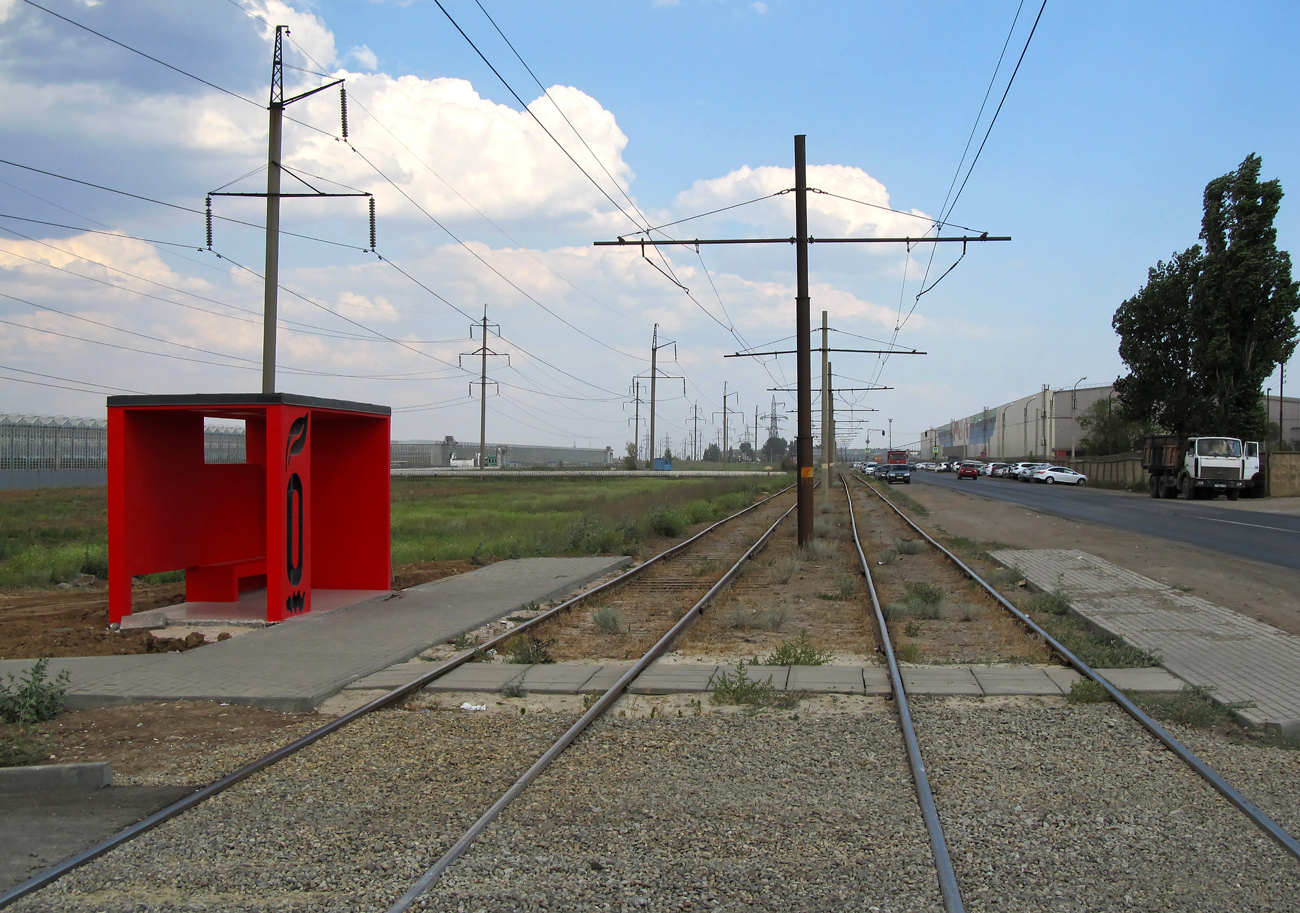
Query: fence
[1123, 469]
[1284, 474]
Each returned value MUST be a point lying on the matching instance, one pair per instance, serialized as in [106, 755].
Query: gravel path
[749, 812]
[1048, 806]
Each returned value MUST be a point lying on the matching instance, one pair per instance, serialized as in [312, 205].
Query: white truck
[1201, 466]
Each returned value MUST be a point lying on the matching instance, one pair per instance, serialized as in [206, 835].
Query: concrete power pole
[827, 440]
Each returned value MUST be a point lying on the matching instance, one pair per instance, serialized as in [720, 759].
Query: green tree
[775, 448]
[1109, 429]
[1211, 325]
[1245, 303]
[1155, 341]
[629, 461]
[713, 454]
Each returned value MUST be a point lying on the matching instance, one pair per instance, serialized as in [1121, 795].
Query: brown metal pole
[803, 344]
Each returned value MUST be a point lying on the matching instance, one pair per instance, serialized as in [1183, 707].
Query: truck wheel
[1153, 485]
[1188, 489]
[1234, 494]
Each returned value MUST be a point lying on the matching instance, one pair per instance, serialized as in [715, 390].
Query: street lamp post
[1074, 430]
[891, 434]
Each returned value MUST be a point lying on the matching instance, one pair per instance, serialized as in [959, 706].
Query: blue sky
[1118, 117]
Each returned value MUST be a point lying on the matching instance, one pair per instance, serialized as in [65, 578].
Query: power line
[197, 212]
[84, 383]
[1005, 92]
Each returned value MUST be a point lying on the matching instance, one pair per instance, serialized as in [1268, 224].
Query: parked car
[990, 469]
[968, 471]
[1053, 474]
[1027, 470]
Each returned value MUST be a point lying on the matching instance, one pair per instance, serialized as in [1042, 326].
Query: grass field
[48, 536]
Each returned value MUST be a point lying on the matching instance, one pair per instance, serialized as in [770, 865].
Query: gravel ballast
[725, 812]
[1048, 806]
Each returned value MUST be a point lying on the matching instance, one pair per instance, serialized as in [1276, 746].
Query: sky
[494, 166]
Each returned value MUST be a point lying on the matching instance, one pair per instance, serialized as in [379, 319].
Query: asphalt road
[1267, 537]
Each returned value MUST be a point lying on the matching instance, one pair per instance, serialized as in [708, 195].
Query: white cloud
[759, 7]
[364, 56]
[828, 215]
[495, 156]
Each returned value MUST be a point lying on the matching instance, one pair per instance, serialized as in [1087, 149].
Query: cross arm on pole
[860, 351]
[695, 242]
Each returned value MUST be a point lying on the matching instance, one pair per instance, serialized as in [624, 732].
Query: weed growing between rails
[814, 589]
[934, 613]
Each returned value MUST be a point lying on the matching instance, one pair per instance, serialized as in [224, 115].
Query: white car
[1053, 474]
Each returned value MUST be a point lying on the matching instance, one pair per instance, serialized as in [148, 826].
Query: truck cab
[1197, 466]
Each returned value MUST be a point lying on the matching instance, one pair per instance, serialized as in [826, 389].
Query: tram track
[953, 738]
[632, 577]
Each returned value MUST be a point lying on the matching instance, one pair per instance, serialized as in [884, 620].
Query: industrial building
[1046, 425]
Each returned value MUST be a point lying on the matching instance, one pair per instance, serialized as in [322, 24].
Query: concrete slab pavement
[296, 665]
[1241, 660]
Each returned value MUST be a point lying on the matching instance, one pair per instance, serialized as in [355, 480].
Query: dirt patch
[180, 742]
[415, 573]
[75, 623]
[1262, 591]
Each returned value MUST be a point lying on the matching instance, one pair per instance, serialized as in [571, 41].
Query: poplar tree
[1212, 324]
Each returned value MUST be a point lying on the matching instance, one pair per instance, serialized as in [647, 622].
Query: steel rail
[948, 887]
[58, 870]
[596, 710]
[1274, 830]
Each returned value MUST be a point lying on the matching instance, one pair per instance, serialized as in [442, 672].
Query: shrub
[909, 546]
[798, 652]
[743, 618]
[847, 584]
[33, 699]
[740, 688]
[514, 689]
[907, 653]
[1055, 602]
[1192, 706]
[816, 549]
[1086, 691]
[609, 620]
[886, 556]
[783, 568]
[665, 521]
[525, 648]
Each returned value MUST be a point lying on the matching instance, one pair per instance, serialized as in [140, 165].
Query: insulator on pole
[209, 218]
[343, 106]
[372, 223]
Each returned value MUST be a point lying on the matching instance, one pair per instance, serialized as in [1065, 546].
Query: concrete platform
[1239, 659]
[296, 665]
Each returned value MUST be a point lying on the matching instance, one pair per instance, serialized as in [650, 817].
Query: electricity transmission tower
[483, 352]
[274, 167]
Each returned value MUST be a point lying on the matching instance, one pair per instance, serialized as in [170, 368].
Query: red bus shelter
[308, 509]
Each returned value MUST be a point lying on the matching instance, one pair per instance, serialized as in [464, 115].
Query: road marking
[1280, 529]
